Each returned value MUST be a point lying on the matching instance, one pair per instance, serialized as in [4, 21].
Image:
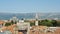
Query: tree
[13, 22]
[32, 24]
[54, 22]
[58, 23]
[46, 23]
[7, 24]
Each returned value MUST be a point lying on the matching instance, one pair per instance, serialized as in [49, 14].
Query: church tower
[36, 17]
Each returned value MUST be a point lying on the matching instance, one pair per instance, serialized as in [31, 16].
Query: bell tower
[36, 17]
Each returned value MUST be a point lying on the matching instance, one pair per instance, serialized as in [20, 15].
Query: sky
[29, 6]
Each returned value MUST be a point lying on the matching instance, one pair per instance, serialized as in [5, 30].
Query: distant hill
[30, 15]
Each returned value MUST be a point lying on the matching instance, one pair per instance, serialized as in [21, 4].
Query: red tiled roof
[1, 22]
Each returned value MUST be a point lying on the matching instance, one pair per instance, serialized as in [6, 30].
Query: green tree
[12, 22]
[7, 24]
[45, 22]
[54, 22]
[58, 23]
[32, 24]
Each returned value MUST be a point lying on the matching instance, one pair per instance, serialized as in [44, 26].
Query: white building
[21, 21]
[24, 27]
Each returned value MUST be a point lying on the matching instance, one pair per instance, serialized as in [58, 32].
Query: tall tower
[36, 17]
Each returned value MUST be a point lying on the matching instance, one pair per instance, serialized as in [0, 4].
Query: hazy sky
[29, 6]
